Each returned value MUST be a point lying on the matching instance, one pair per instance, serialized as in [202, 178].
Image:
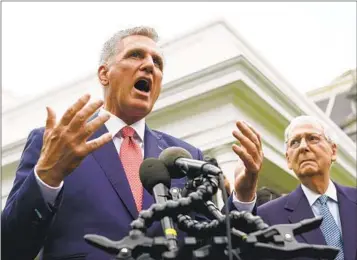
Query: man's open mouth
[143, 85]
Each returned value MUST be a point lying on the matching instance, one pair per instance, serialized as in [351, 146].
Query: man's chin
[140, 111]
[307, 173]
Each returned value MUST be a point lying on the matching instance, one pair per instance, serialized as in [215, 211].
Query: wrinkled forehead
[139, 42]
[305, 128]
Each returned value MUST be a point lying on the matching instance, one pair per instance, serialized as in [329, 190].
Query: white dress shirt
[114, 125]
[243, 206]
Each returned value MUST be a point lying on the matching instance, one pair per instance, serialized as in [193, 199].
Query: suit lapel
[108, 158]
[300, 209]
[348, 215]
[153, 146]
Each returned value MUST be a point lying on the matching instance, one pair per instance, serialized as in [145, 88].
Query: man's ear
[103, 75]
[334, 152]
[288, 160]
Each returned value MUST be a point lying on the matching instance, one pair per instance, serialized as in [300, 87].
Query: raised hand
[251, 154]
[65, 143]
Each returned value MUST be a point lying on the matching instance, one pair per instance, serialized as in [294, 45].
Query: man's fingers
[258, 136]
[95, 124]
[245, 142]
[82, 116]
[249, 162]
[99, 142]
[246, 158]
[255, 132]
[240, 167]
[51, 118]
[249, 132]
[72, 110]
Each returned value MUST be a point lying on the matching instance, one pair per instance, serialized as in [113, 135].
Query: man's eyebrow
[294, 137]
[134, 49]
[305, 133]
[155, 54]
[297, 135]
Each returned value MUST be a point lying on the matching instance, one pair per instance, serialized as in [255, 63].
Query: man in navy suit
[310, 151]
[71, 179]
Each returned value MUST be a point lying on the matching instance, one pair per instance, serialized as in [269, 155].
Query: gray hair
[110, 47]
[305, 119]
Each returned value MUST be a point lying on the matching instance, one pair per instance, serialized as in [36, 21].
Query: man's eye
[157, 62]
[135, 54]
[314, 138]
[294, 142]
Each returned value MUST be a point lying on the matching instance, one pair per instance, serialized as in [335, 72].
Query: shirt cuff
[244, 206]
[49, 193]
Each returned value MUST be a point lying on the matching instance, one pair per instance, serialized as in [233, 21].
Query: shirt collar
[313, 196]
[115, 124]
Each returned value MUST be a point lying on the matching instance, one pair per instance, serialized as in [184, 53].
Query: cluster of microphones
[222, 235]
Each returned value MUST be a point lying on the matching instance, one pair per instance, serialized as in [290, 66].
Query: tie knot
[127, 131]
[323, 199]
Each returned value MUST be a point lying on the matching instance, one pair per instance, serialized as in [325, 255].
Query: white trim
[330, 105]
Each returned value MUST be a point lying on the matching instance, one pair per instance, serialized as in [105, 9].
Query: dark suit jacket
[95, 199]
[295, 207]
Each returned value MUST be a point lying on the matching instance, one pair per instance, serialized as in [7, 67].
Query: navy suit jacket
[95, 199]
[295, 207]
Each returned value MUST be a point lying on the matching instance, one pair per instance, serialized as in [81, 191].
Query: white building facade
[338, 100]
[212, 79]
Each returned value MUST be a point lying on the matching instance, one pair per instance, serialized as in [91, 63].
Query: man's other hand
[65, 143]
[251, 159]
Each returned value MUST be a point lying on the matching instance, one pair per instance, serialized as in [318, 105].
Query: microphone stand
[251, 238]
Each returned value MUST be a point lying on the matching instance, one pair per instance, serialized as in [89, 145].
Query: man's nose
[303, 144]
[148, 65]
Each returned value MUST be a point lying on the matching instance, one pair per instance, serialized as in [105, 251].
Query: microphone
[179, 162]
[155, 178]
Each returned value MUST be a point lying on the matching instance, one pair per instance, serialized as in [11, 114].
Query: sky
[48, 45]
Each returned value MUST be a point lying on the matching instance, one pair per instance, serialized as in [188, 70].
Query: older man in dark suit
[310, 151]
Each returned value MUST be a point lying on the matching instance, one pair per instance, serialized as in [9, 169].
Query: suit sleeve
[264, 214]
[199, 155]
[26, 217]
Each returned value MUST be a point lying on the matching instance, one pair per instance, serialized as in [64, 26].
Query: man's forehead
[305, 128]
[139, 41]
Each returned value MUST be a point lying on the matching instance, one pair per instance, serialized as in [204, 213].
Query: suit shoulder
[37, 131]
[35, 138]
[351, 189]
[273, 206]
[174, 141]
[350, 192]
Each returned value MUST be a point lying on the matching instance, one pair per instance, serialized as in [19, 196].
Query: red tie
[131, 158]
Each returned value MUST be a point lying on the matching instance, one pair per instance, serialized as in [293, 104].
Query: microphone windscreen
[153, 171]
[170, 155]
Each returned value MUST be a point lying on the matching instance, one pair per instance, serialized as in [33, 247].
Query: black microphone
[179, 162]
[156, 180]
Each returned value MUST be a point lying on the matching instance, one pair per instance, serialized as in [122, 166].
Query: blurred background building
[338, 101]
[9, 100]
[212, 78]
